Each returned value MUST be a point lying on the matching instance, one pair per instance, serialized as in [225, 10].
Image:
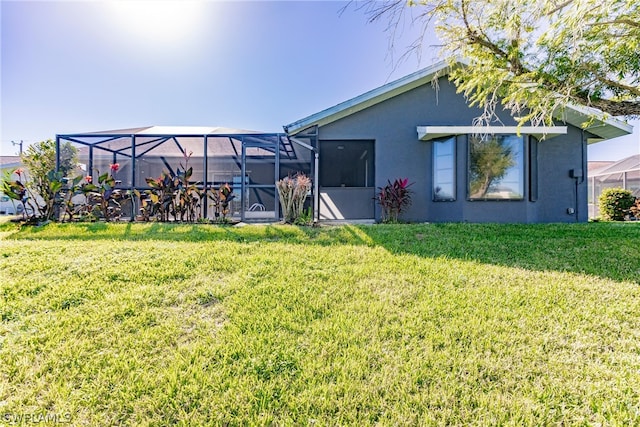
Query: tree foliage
[535, 57]
[43, 183]
[40, 158]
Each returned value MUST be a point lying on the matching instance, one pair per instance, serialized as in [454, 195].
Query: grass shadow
[608, 250]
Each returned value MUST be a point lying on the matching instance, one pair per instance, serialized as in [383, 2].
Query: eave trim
[428, 133]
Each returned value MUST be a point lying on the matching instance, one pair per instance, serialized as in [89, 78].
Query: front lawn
[459, 324]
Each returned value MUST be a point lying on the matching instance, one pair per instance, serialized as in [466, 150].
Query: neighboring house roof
[594, 166]
[602, 126]
[627, 164]
[7, 162]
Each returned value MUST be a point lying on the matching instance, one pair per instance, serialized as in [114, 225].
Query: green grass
[434, 324]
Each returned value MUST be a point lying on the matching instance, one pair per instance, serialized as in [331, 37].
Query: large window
[496, 167]
[444, 185]
[346, 163]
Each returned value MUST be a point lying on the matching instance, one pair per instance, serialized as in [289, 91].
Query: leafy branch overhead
[534, 57]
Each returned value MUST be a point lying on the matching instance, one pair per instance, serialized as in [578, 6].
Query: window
[348, 163]
[496, 167]
[444, 185]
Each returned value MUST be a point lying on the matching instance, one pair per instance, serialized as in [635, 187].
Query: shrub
[17, 191]
[293, 192]
[222, 198]
[305, 218]
[393, 198]
[44, 183]
[103, 198]
[40, 197]
[188, 195]
[615, 203]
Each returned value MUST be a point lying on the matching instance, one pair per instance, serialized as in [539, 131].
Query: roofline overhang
[428, 133]
[601, 125]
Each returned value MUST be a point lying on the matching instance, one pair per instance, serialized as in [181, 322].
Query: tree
[40, 158]
[44, 183]
[535, 57]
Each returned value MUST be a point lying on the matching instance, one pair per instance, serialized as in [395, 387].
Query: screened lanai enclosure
[624, 174]
[249, 162]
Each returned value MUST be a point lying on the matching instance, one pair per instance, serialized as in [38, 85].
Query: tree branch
[560, 7]
[626, 21]
[614, 108]
[618, 85]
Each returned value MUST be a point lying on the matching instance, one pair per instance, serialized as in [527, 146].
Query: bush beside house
[615, 203]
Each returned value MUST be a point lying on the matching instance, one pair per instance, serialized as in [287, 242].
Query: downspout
[583, 166]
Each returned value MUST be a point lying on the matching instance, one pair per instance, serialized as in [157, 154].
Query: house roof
[170, 130]
[180, 140]
[10, 161]
[593, 166]
[602, 126]
[627, 164]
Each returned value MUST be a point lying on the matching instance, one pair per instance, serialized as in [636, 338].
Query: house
[410, 128]
[8, 165]
[414, 128]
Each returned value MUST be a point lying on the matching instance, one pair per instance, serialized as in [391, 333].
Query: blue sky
[76, 66]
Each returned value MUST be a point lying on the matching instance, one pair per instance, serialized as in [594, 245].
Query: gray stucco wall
[398, 154]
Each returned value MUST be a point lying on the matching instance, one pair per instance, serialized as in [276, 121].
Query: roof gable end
[602, 126]
[369, 98]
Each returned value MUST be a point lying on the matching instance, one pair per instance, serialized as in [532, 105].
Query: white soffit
[427, 133]
[602, 126]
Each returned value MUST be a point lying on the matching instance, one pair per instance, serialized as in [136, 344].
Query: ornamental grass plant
[293, 191]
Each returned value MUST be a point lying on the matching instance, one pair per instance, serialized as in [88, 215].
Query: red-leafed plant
[394, 198]
[104, 199]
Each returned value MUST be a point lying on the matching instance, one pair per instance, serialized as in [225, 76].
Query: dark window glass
[346, 164]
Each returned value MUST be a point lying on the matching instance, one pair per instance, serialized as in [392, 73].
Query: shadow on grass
[608, 250]
[154, 231]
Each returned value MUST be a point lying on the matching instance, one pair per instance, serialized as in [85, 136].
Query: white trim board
[427, 133]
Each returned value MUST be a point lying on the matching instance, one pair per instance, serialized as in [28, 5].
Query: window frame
[522, 172]
[344, 167]
[434, 170]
